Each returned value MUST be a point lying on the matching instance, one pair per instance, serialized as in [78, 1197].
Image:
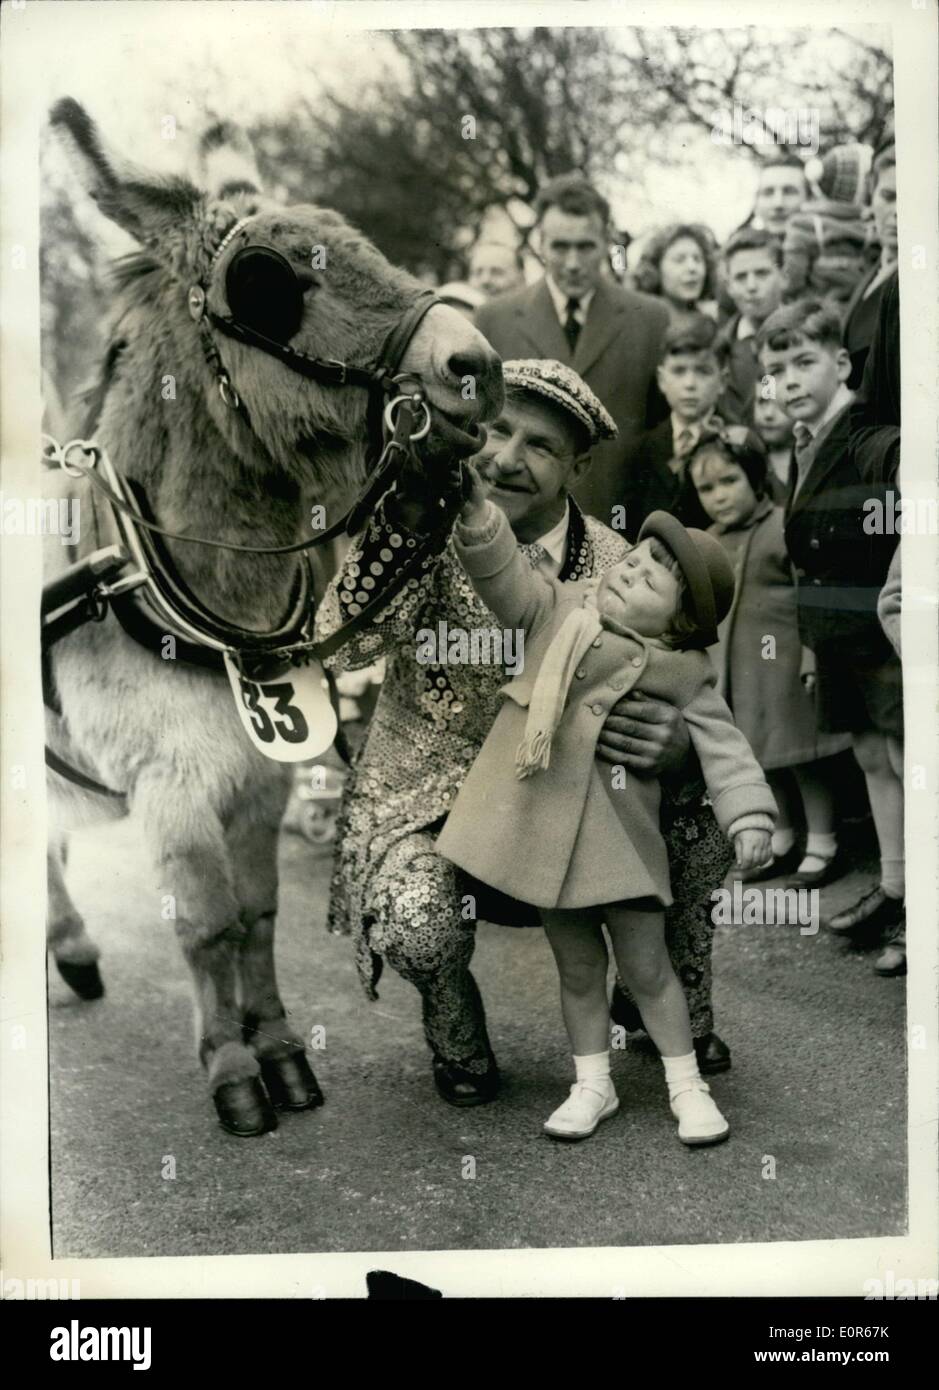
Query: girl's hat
[706, 569]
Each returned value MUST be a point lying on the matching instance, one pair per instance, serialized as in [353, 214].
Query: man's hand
[753, 848]
[644, 734]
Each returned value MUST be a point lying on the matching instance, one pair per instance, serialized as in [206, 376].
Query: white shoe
[588, 1103]
[699, 1120]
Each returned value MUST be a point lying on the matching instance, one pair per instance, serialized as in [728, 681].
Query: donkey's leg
[76, 955]
[252, 842]
[188, 844]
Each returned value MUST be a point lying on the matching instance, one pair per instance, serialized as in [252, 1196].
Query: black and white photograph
[456, 657]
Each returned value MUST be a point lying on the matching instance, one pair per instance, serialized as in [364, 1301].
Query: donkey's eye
[265, 292]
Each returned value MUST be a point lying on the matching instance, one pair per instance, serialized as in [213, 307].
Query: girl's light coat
[570, 836]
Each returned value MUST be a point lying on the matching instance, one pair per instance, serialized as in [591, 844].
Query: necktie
[571, 323]
[684, 442]
[802, 436]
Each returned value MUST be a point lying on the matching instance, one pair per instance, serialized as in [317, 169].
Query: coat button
[597, 709]
[597, 642]
[637, 660]
[814, 543]
[580, 672]
[617, 683]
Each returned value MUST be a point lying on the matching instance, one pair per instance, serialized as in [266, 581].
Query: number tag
[288, 717]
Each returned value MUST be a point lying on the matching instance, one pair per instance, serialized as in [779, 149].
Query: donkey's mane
[132, 279]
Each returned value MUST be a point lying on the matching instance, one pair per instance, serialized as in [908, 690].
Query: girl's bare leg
[642, 960]
[639, 946]
[580, 952]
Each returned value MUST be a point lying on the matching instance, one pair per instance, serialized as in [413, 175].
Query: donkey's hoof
[85, 980]
[290, 1082]
[243, 1108]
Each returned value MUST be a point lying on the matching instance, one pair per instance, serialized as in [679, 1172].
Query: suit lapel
[604, 321]
[538, 322]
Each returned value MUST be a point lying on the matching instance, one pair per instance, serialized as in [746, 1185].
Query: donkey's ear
[161, 212]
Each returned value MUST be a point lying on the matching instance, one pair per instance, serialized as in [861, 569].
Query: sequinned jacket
[431, 717]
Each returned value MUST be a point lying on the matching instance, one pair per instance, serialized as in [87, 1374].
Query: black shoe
[892, 959]
[874, 912]
[712, 1053]
[623, 1011]
[833, 868]
[458, 1086]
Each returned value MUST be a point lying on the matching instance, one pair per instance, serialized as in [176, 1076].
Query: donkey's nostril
[470, 362]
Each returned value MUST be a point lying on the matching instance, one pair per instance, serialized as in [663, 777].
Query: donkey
[239, 450]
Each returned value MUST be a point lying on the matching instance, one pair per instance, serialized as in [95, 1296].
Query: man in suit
[577, 315]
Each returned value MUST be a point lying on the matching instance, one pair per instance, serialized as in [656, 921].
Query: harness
[136, 579]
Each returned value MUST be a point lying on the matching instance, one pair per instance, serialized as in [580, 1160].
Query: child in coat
[538, 818]
[772, 705]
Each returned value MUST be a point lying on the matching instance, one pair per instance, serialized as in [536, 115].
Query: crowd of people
[682, 463]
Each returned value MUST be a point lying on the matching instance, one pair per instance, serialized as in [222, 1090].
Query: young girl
[771, 704]
[540, 819]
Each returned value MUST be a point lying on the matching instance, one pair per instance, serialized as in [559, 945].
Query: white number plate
[288, 718]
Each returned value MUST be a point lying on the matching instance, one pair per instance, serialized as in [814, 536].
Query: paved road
[818, 1085]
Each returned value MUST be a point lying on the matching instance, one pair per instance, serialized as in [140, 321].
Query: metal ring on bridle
[73, 470]
[416, 399]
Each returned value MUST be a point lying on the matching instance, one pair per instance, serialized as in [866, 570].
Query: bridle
[265, 294]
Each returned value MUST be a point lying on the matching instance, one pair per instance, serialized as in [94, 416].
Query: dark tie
[571, 324]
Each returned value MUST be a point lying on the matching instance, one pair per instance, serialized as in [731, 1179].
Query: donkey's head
[327, 294]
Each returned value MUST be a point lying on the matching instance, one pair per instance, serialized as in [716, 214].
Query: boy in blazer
[840, 569]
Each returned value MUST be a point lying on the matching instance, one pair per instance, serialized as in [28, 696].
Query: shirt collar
[745, 329]
[559, 300]
[839, 400]
[555, 540]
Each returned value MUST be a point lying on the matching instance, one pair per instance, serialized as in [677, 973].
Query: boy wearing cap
[539, 820]
[400, 901]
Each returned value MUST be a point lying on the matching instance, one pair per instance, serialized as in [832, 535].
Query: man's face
[807, 375]
[691, 383]
[884, 205]
[755, 283]
[529, 461]
[573, 249]
[493, 269]
[781, 191]
[639, 592]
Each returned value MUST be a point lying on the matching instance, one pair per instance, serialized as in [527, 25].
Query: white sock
[594, 1067]
[819, 849]
[782, 842]
[679, 1071]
